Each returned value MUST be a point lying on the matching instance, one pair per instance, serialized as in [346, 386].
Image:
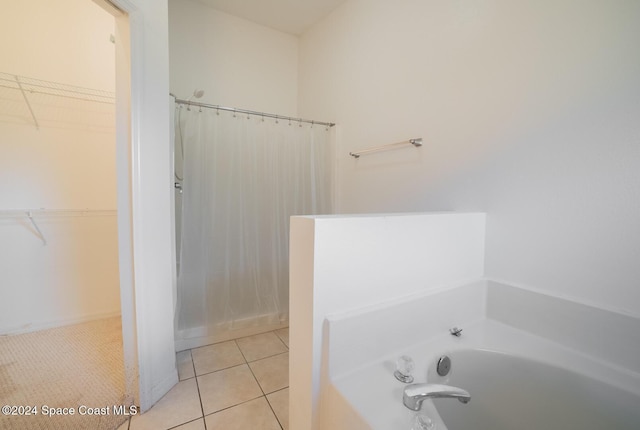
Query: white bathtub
[518, 380]
[511, 392]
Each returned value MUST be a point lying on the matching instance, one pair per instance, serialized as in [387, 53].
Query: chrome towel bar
[415, 142]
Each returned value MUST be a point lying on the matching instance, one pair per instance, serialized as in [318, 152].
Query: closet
[60, 326]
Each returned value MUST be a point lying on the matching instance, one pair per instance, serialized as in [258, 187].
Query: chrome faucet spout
[415, 394]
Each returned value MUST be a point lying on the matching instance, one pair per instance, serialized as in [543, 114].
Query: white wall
[36, 33]
[343, 263]
[237, 62]
[68, 163]
[528, 110]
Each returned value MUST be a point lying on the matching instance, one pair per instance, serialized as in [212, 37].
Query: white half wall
[529, 112]
[342, 263]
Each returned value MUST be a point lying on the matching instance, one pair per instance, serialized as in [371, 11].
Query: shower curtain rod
[250, 112]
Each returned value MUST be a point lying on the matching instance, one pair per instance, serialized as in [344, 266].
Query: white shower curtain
[244, 176]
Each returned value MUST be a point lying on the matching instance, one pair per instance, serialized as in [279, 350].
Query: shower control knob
[404, 368]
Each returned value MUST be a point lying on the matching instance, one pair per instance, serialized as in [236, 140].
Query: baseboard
[45, 325]
[195, 342]
[161, 389]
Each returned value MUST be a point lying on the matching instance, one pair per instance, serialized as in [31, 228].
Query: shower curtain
[243, 177]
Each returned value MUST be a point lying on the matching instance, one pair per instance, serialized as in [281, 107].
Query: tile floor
[238, 384]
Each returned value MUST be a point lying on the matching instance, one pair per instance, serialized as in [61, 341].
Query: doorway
[59, 221]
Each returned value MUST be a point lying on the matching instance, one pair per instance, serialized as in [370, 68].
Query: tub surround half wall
[342, 263]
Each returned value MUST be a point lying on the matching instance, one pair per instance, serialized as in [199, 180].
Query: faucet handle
[404, 367]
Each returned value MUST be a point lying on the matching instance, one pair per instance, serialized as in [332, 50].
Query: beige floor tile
[180, 405]
[226, 388]
[261, 346]
[272, 373]
[211, 358]
[185, 365]
[255, 414]
[125, 425]
[193, 425]
[283, 334]
[279, 402]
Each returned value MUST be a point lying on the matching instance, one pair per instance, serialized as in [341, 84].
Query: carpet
[78, 367]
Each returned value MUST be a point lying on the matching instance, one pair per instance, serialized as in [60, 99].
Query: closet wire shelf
[54, 102]
[30, 214]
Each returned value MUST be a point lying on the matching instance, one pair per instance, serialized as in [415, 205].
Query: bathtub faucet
[415, 394]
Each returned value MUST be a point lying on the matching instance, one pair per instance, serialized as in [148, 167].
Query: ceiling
[289, 16]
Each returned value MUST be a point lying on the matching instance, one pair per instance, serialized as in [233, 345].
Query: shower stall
[240, 176]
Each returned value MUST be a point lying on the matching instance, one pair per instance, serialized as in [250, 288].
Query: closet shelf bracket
[35, 226]
[33, 115]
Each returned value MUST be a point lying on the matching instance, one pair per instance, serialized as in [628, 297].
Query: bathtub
[510, 392]
[518, 379]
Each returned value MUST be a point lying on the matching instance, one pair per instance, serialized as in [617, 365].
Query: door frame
[145, 192]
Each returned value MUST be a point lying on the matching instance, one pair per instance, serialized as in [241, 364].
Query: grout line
[221, 369]
[238, 346]
[240, 349]
[251, 370]
[175, 427]
[233, 406]
[274, 412]
[247, 363]
[281, 340]
[268, 356]
[279, 389]
[260, 386]
[254, 377]
[198, 387]
[258, 334]
[193, 365]
[264, 395]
